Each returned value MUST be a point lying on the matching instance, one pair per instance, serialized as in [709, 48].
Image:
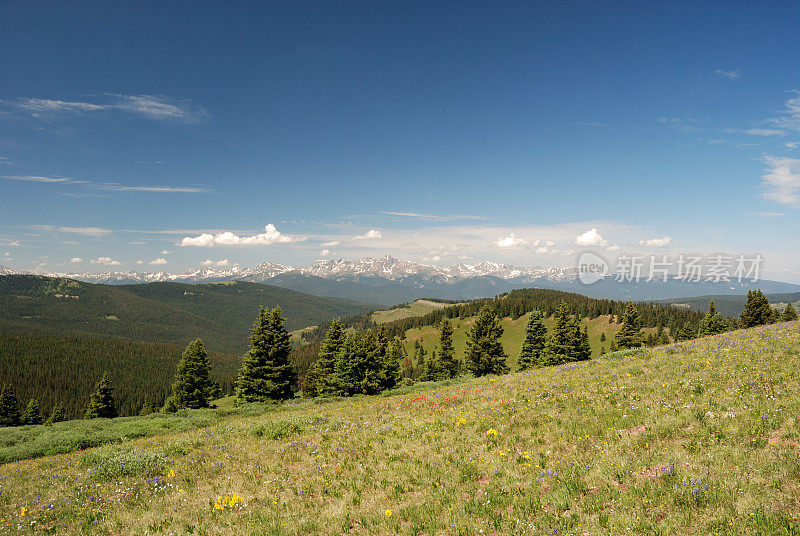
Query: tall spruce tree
[713, 323]
[358, 365]
[326, 362]
[148, 406]
[32, 413]
[630, 335]
[484, 352]
[429, 370]
[391, 364]
[10, 414]
[266, 373]
[756, 310]
[446, 365]
[789, 313]
[419, 358]
[560, 344]
[687, 332]
[583, 350]
[192, 387]
[57, 415]
[101, 403]
[533, 346]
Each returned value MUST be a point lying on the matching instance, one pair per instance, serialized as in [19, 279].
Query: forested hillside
[175, 313]
[63, 370]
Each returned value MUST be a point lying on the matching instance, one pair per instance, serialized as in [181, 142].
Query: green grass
[413, 309]
[513, 335]
[623, 444]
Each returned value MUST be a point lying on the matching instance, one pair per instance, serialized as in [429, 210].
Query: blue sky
[161, 135]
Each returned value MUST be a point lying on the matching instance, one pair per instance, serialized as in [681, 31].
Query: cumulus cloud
[107, 261]
[372, 234]
[510, 241]
[209, 262]
[590, 238]
[140, 261]
[781, 180]
[656, 242]
[615, 247]
[271, 235]
[158, 262]
[325, 253]
[76, 260]
[330, 244]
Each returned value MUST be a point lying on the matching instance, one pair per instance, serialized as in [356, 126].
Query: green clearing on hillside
[692, 439]
[513, 335]
[416, 308]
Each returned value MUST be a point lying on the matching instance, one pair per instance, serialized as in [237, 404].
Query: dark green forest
[64, 370]
[220, 314]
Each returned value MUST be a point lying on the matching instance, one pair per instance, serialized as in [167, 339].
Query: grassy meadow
[696, 438]
[413, 309]
[513, 335]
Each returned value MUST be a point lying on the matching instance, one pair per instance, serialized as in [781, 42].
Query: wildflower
[23, 511]
[388, 512]
[491, 432]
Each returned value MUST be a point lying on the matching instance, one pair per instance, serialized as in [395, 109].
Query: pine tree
[358, 366]
[630, 335]
[756, 310]
[789, 314]
[309, 385]
[447, 365]
[391, 365]
[419, 357]
[148, 406]
[484, 351]
[266, 373]
[192, 387]
[533, 346]
[9, 408]
[603, 337]
[326, 362]
[57, 415]
[101, 403]
[561, 343]
[686, 332]
[582, 350]
[32, 414]
[429, 370]
[712, 323]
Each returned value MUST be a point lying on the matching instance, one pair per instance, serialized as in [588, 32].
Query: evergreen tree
[101, 403]
[309, 386]
[358, 366]
[561, 343]
[266, 373]
[391, 365]
[57, 415]
[326, 363]
[148, 406]
[686, 332]
[484, 351]
[713, 323]
[613, 347]
[446, 365]
[582, 351]
[630, 335]
[193, 387]
[9, 408]
[429, 370]
[419, 357]
[756, 310]
[789, 314]
[603, 337]
[32, 414]
[533, 346]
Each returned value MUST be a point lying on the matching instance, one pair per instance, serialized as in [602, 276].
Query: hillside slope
[176, 313]
[697, 438]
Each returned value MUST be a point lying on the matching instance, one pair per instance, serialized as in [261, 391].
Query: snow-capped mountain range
[386, 267]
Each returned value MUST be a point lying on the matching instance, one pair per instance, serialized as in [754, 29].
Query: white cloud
[372, 234]
[270, 236]
[433, 217]
[792, 144]
[765, 132]
[107, 261]
[615, 247]
[76, 260]
[37, 178]
[140, 262]
[158, 262]
[325, 253]
[4, 160]
[209, 262]
[165, 252]
[330, 244]
[781, 180]
[86, 231]
[158, 108]
[509, 242]
[106, 186]
[590, 238]
[730, 75]
[656, 242]
[541, 250]
[114, 187]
